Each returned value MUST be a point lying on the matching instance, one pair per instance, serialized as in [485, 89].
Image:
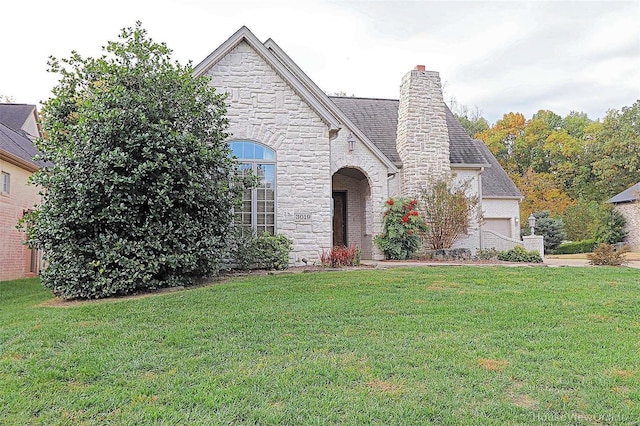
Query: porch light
[351, 142]
[532, 223]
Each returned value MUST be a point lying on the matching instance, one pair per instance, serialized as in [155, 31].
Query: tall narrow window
[5, 184]
[258, 211]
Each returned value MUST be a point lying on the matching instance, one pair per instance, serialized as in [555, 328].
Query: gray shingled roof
[378, 119]
[14, 115]
[495, 181]
[462, 149]
[629, 195]
[19, 145]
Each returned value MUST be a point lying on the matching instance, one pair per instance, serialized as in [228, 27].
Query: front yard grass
[436, 345]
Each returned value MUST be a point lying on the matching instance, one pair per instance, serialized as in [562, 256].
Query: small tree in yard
[448, 212]
[139, 195]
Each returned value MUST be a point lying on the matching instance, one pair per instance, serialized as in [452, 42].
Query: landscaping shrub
[584, 246]
[607, 255]
[520, 254]
[272, 251]
[341, 256]
[487, 254]
[402, 224]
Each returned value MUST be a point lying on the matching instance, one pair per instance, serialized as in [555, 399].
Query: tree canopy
[140, 193]
[558, 162]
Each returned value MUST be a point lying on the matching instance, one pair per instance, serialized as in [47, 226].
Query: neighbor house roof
[496, 183]
[629, 195]
[17, 148]
[15, 115]
[378, 119]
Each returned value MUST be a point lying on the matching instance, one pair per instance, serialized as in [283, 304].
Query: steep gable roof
[496, 183]
[17, 148]
[629, 195]
[245, 35]
[378, 119]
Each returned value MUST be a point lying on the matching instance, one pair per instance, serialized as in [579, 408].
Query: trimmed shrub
[520, 254]
[338, 257]
[272, 251]
[263, 252]
[607, 255]
[584, 246]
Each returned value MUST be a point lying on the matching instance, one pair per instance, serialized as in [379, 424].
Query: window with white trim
[5, 183]
[258, 211]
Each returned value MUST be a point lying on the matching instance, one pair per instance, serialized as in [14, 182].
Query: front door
[339, 219]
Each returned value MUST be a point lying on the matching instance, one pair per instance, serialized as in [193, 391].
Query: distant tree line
[569, 166]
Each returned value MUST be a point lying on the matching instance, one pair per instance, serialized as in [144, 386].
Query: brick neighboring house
[18, 128]
[328, 164]
[626, 203]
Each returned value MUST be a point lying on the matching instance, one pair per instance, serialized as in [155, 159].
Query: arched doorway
[352, 223]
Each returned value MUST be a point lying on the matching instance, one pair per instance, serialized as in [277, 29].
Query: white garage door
[501, 226]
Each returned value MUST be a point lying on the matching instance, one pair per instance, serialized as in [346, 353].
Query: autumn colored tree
[542, 192]
[502, 138]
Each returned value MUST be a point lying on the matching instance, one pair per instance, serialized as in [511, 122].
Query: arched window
[258, 211]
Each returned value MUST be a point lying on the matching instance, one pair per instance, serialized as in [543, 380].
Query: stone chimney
[423, 138]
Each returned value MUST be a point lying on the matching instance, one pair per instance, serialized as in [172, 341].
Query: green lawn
[441, 345]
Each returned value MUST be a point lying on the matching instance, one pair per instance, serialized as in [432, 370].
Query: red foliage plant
[341, 256]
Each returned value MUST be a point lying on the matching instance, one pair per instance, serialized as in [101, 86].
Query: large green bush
[139, 195]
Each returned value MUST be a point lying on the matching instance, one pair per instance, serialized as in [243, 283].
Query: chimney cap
[420, 67]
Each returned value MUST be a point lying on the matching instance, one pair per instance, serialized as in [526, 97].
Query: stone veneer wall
[263, 108]
[631, 212]
[422, 138]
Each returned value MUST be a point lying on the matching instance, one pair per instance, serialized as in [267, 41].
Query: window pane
[236, 149]
[259, 152]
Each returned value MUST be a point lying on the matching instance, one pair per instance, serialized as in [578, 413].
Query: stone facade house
[18, 127]
[328, 164]
[626, 203]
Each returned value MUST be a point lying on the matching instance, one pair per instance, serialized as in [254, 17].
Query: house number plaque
[302, 217]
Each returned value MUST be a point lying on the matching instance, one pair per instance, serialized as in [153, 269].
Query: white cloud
[501, 56]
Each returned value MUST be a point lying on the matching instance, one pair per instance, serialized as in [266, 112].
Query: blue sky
[501, 56]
